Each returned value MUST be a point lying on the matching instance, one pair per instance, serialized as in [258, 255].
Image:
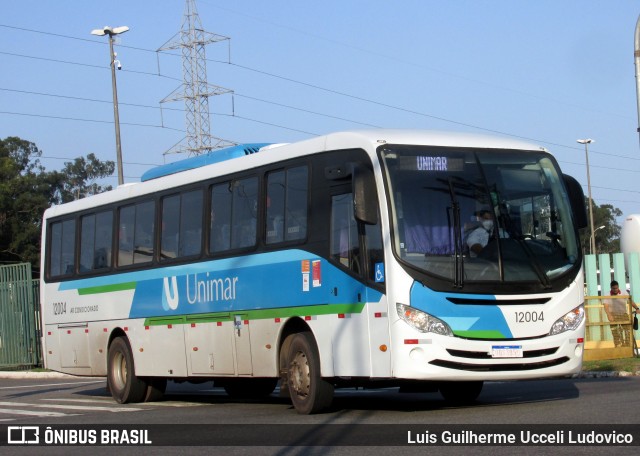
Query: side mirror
[364, 195]
[576, 198]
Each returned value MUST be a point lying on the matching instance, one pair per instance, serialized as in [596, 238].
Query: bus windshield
[478, 215]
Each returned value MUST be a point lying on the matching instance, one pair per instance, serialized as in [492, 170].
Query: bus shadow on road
[387, 399]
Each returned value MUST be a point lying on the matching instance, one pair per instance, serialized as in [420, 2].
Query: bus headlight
[568, 322]
[422, 321]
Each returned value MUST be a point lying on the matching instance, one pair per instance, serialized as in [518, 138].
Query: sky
[547, 71]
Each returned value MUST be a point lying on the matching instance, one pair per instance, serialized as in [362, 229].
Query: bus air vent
[215, 156]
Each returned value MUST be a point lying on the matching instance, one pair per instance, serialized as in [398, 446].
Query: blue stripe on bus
[262, 281]
[461, 318]
[211, 266]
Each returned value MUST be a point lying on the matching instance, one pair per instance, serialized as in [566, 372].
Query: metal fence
[19, 318]
[607, 339]
[609, 336]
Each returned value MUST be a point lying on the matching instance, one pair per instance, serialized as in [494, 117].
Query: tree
[26, 190]
[607, 238]
[79, 177]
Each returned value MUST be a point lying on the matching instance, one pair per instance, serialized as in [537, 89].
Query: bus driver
[479, 237]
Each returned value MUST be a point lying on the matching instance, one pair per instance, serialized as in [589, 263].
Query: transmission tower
[195, 90]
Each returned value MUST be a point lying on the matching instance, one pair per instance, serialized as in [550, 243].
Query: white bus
[339, 261]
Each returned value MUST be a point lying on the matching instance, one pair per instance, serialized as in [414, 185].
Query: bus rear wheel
[309, 392]
[461, 393]
[125, 387]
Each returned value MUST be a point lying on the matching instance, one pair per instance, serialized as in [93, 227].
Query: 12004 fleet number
[529, 317]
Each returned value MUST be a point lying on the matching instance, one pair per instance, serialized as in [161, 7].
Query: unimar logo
[21, 435]
[170, 298]
[197, 289]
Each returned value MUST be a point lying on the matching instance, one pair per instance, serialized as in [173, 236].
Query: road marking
[103, 400]
[73, 407]
[172, 404]
[34, 413]
[50, 384]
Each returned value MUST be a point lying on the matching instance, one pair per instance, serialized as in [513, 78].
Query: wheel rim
[299, 375]
[119, 371]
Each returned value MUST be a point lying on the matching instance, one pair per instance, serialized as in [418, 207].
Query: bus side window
[136, 234]
[104, 240]
[170, 235]
[191, 223]
[220, 232]
[244, 214]
[275, 207]
[95, 241]
[287, 205]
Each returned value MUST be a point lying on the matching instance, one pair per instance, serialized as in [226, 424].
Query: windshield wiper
[535, 264]
[458, 279]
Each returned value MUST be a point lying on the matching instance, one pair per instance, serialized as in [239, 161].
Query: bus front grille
[485, 355]
[504, 367]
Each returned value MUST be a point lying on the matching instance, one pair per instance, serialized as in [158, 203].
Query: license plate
[506, 351]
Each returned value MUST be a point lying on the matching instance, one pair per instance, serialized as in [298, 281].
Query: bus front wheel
[309, 392]
[125, 387]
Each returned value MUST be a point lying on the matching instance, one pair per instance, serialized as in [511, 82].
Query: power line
[89, 65]
[137, 105]
[308, 111]
[343, 44]
[143, 106]
[314, 86]
[272, 75]
[93, 100]
[50, 157]
[604, 167]
[228, 115]
[335, 92]
[76, 119]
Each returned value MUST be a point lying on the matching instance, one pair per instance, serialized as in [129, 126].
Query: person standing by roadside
[616, 310]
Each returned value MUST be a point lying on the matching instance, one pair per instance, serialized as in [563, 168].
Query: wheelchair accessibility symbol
[379, 272]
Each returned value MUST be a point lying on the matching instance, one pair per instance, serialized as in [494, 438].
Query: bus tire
[155, 389]
[461, 393]
[309, 392]
[250, 388]
[125, 387]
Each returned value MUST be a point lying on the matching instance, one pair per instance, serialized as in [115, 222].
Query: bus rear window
[62, 253]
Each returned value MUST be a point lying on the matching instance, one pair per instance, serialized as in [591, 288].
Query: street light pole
[594, 232]
[636, 55]
[586, 143]
[116, 117]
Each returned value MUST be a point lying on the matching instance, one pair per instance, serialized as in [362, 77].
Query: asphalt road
[193, 414]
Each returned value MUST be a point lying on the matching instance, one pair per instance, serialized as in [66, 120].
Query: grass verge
[623, 364]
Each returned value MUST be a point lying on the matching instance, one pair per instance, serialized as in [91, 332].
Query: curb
[605, 374]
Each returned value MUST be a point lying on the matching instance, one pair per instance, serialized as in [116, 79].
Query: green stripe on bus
[261, 314]
[107, 288]
[480, 334]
